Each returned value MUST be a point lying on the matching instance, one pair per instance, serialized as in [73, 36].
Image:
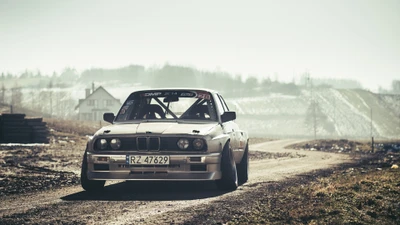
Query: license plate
[148, 159]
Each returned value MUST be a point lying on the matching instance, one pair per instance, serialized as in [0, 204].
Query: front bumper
[181, 168]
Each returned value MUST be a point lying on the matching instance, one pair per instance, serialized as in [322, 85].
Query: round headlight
[183, 143]
[102, 144]
[115, 143]
[198, 144]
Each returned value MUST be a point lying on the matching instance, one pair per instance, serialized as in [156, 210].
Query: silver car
[168, 135]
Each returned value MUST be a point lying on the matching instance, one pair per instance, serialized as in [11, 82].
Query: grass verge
[357, 194]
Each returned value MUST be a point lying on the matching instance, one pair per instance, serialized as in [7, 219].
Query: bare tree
[50, 86]
[3, 93]
[396, 86]
[16, 96]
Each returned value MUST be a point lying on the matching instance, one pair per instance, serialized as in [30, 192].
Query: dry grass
[348, 146]
[364, 194]
[74, 126]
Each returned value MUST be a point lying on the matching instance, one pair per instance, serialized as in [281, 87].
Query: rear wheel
[89, 185]
[243, 167]
[229, 180]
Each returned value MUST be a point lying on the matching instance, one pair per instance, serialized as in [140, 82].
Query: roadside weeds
[363, 192]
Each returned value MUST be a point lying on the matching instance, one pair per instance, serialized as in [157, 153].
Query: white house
[96, 103]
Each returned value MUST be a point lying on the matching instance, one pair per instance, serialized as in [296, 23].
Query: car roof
[177, 89]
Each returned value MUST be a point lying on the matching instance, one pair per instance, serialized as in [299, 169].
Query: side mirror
[228, 116]
[109, 117]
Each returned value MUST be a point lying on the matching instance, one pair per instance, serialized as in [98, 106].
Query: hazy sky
[329, 38]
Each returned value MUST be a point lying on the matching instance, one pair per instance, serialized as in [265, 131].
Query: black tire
[90, 185]
[243, 167]
[229, 180]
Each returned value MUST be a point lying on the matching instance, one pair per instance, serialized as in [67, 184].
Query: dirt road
[158, 203]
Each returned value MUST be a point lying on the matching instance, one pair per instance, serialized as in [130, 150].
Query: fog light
[102, 159]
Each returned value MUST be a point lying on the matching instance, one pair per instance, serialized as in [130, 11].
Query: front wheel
[243, 167]
[89, 185]
[229, 180]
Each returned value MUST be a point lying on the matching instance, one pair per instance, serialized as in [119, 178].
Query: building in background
[97, 102]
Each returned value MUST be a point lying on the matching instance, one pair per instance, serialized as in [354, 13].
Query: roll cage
[150, 105]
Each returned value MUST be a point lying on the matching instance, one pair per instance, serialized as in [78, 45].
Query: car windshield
[168, 105]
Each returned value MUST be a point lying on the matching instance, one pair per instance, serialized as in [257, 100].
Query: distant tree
[251, 85]
[293, 80]
[317, 120]
[3, 94]
[305, 79]
[276, 77]
[174, 76]
[312, 113]
[266, 85]
[337, 83]
[69, 74]
[3, 76]
[236, 87]
[25, 74]
[32, 95]
[131, 73]
[382, 90]
[50, 86]
[38, 74]
[324, 85]
[251, 82]
[16, 96]
[396, 86]
[64, 105]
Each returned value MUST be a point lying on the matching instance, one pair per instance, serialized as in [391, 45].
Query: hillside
[342, 114]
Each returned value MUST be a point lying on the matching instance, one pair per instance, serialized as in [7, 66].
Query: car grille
[148, 143]
[152, 143]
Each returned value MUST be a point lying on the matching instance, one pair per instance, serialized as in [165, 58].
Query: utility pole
[372, 137]
[314, 105]
[314, 118]
[51, 104]
[32, 101]
[398, 96]
[371, 122]
[51, 98]
[313, 102]
[334, 113]
[3, 93]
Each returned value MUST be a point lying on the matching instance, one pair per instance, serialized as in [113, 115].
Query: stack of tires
[1, 129]
[15, 128]
[40, 132]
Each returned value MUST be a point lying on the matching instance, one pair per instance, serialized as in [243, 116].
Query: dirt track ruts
[150, 202]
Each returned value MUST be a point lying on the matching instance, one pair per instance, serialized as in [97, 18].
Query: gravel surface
[150, 202]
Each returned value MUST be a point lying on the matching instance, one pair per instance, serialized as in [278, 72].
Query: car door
[230, 127]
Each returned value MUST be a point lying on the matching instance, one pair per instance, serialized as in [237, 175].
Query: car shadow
[150, 191]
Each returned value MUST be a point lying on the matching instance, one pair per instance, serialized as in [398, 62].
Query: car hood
[158, 128]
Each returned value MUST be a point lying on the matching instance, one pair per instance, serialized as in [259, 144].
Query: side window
[223, 103]
[219, 105]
